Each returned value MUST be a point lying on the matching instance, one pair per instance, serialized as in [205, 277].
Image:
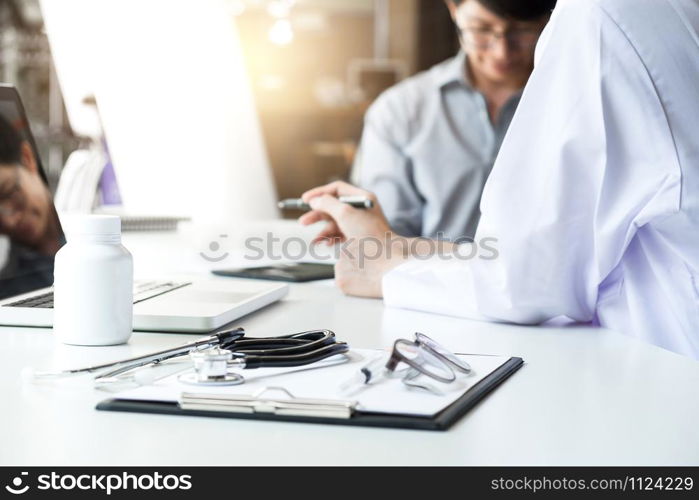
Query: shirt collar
[454, 71]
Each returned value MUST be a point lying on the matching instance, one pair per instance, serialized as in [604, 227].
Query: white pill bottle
[93, 283]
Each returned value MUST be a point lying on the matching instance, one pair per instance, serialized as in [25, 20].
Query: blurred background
[314, 66]
[25, 61]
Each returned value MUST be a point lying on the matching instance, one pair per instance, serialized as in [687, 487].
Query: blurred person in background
[430, 142]
[28, 222]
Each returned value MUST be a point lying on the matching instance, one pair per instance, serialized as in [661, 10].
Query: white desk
[584, 397]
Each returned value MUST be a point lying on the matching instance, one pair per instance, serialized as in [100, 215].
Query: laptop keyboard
[45, 300]
[142, 290]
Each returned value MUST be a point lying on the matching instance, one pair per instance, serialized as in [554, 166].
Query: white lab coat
[594, 198]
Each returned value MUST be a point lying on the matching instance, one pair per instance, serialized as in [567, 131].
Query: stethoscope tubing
[291, 360]
[288, 350]
[280, 347]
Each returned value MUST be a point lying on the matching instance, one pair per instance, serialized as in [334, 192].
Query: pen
[299, 204]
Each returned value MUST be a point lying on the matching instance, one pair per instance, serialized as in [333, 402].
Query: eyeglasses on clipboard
[408, 361]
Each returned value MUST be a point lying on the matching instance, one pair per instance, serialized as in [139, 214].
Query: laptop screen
[30, 232]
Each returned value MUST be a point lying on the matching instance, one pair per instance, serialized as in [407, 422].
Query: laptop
[31, 234]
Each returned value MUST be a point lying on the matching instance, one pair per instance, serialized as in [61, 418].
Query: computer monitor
[175, 102]
[30, 232]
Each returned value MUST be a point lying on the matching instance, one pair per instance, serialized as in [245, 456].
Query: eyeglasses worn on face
[486, 38]
[11, 198]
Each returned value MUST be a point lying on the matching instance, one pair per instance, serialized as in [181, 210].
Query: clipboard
[441, 421]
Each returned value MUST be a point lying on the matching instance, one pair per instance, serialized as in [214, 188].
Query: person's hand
[364, 262]
[344, 222]
[370, 248]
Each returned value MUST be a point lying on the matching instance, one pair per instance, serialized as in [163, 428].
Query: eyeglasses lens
[458, 363]
[424, 361]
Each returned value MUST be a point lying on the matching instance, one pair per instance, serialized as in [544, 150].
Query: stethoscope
[211, 367]
[215, 354]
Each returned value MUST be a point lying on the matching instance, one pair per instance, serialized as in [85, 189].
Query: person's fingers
[330, 230]
[337, 188]
[330, 189]
[332, 206]
[312, 217]
[329, 240]
[330, 234]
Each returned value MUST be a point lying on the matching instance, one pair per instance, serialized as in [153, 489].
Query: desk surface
[584, 397]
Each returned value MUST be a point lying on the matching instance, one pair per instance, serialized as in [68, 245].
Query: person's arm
[370, 248]
[384, 167]
[589, 159]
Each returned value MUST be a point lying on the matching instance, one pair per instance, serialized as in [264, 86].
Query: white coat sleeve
[588, 159]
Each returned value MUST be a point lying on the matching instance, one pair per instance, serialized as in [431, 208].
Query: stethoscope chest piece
[211, 368]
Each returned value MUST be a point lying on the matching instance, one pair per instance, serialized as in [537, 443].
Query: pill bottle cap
[92, 225]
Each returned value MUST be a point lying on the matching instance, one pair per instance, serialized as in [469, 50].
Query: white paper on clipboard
[323, 380]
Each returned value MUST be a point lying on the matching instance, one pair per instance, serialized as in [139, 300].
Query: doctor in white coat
[593, 200]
